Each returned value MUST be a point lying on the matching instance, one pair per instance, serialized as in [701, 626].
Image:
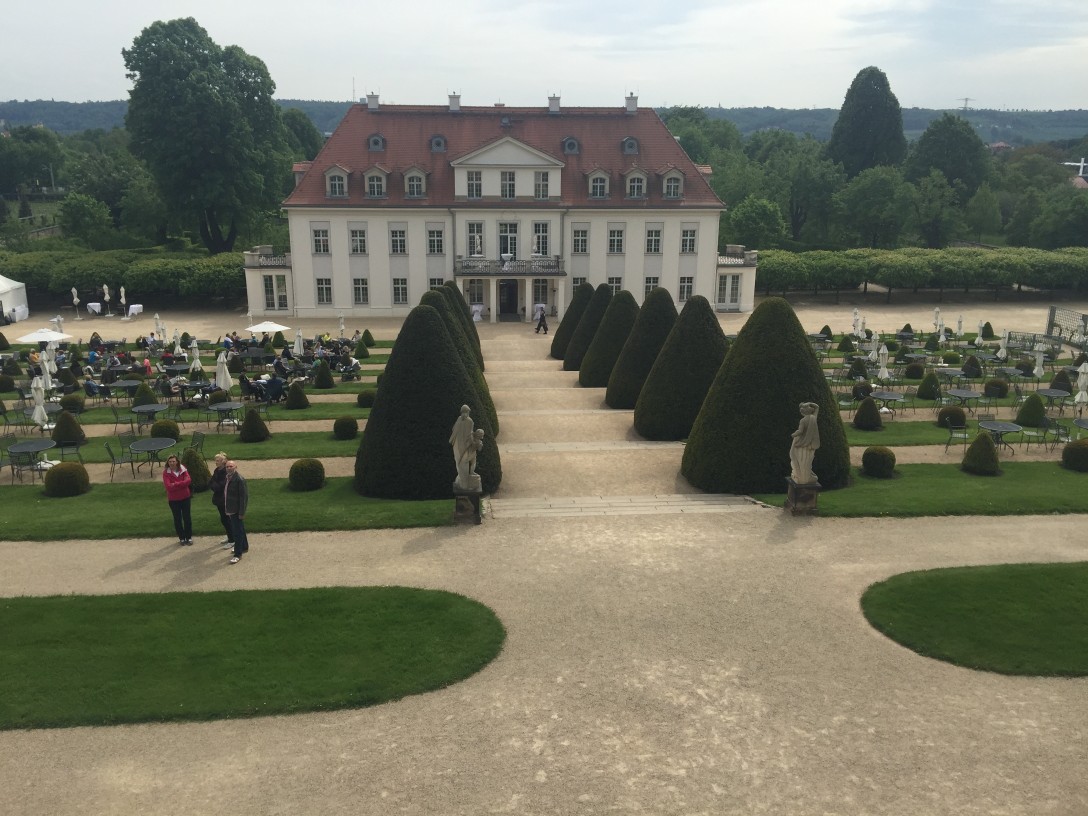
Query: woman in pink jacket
[177, 481]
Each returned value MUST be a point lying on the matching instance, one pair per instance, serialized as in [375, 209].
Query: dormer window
[413, 186]
[598, 186]
[375, 185]
[375, 142]
[571, 146]
[636, 187]
[438, 144]
[674, 187]
[630, 146]
[338, 186]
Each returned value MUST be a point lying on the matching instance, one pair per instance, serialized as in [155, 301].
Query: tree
[740, 442]
[951, 146]
[303, 139]
[142, 210]
[203, 119]
[655, 320]
[1028, 208]
[757, 223]
[607, 344]
[935, 213]
[983, 215]
[85, 219]
[869, 130]
[813, 182]
[106, 177]
[1063, 221]
[587, 327]
[565, 330]
[873, 207]
[28, 155]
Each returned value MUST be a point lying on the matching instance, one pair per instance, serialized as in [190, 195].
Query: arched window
[630, 146]
[438, 144]
[571, 146]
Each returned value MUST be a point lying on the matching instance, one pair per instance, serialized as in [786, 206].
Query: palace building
[517, 205]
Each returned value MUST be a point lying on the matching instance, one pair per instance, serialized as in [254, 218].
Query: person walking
[235, 502]
[179, 493]
[541, 323]
[217, 484]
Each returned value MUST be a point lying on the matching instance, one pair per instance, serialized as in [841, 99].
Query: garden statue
[806, 439]
[466, 443]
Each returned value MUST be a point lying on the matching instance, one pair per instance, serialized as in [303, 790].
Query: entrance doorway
[508, 299]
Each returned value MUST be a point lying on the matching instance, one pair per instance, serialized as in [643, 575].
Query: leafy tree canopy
[951, 146]
[869, 130]
[305, 140]
[757, 223]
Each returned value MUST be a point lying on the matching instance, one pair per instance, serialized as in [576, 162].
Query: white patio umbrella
[856, 323]
[49, 358]
[341, 319]
[43, 336]
[959, 326]
[124, 305]
[106, 297]
[37, 391]
[940, 330]
[46, 376]
[1081, 399]
[222, 375]
[75, 302]
[1038, 371]
[873, 348]
[861, 326]
[978, 338]
[195, 365]
[882, 356]
[178, 351]
[1003, 346]
[160, 329]
[267, 326]
[298, 343]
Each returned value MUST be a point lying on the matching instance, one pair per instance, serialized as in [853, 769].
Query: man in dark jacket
[235, 502]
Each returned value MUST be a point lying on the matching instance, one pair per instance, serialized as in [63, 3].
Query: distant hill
[1014, 127]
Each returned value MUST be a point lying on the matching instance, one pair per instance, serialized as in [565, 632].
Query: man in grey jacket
[235, 502]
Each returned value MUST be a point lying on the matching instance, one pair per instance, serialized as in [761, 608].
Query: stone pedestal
[801, 498]
[467, 508]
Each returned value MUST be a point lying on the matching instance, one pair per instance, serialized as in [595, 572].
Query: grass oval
[1023, 619]
[99, 660]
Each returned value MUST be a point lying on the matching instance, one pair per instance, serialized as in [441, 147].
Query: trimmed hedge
[867, 417]
[1032, 412]
[587, 328]
[604, 350]
[73, 402]
[296, 397]
[682, 373]
[565, 330]
[144, 395]
[166, 429]
[66, 428]
[365, 398]
[66, 479]
[996, 388]
[368, 338]
[7, 383]
[461, 307]
[323, 376]
[740, 442]
[306, 475]
[345, 427]
[930, 387]
[405, 451]
[951, 413]
[652, 326]
[254, 429]
[1075, 455]
[981, 457]
[198, 469]
[878, 462]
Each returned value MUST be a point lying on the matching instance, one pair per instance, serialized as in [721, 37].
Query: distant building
[517, 205]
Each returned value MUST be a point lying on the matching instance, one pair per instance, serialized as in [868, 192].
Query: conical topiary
[981, 457]
[4, 344]
[678, 381]
[933, 343]
[655, 320]
[826, 332]
[972, 368]
[198, 469]
[253, 428]
[360, 352]
[867, 417]
[846, 345]
[278, 340]
[235, 364]
[144, 395]
[612, 334]
[405, 451]
[67, 429]
[587, 328]
[461, 343]
[458, 310]
[1032, 412]
[1061, 381]
[930, 387]
[987, 331]
[12, 367]
[565, 330]
[296, 397]
[858, 370]
[323, 375]
[66, 376]
[368, 338]
[740, 442]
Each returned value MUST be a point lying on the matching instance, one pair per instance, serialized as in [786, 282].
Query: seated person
[349, 363]
[287, 353]
[93, 357]
[167, 357]
[113, 361]
[228, 342]
[166, 387]
[280, 368]
[90, 387]
[274, 389]
[265, 340]
[355, 338]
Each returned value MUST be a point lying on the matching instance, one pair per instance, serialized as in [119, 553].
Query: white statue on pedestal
[467, 443]
[806, 439]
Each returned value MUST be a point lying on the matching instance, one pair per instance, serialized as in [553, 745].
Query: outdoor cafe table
[1052, 394]
[51, 408]
[963, 396]
[36, 447]
[150, 449]
[1081, 423]
[151, 409]
[1010, 371]
[226, 413]
[949, 373]
[887, 397]
[998, 428]
[915, 357]
[128, 386]
[176, 369]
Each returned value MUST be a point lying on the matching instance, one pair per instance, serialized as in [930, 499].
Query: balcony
[262, 257]
[737, 255]
[537, 266]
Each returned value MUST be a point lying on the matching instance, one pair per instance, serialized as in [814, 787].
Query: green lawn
[101, 660]
[139, 510]
[1027, 619]
[282, 445]
[276, 413]
[1025, 488]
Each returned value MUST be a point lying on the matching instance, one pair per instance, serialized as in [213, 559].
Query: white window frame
[575, 282]
[598, 186]
[508, 184]
[414, 180]
[474, 183]
[436, 241]
[320, 240]
[615, 240]
[653, 240]
[475, 290]
[687, 288]
[398, 241]
[436, 283]
[580, 240]
[324, 291]
[673, 187]
[360, 291]
[615, 283]
[358, 240]
[650, 284]
[475, 239]
[636, 186]
[275, 292]
[689, 240]
[541, 237]
[375, 185]
[540, 290]
[540, 185]
[338, 186]
[400, 291]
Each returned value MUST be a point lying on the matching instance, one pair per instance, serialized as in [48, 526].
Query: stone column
[493, 304]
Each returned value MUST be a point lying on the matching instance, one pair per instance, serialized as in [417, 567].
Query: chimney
[632, 103]
[455, 103]
[372, 101]
[553, 104]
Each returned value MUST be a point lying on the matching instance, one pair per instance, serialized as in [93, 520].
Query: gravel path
[666, 664]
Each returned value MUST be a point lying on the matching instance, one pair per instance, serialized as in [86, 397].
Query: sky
[1001, 54]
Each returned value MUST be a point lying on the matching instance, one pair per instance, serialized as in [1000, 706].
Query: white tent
[13, 299]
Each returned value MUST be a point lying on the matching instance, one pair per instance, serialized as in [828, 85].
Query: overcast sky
[735, 53]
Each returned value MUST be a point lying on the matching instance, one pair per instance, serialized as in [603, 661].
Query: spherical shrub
[892, 345]
[846, 345]
[929, 388]
[1026, 368]
[901, 355]
[306, 474]
[72, 402]
[951, 358]
[345, 427]
[296, 397]
[996, 388]
[235, 365]
[867, 417]
[368, 338]
[981, 457]
[166, 429]
[323, 375]
[7, 383]
[365, 398]
[66, 479]
[1032, 412]
[198, 469]
[857, 370]
[186, 340]
[933, 343]
[914, 371]
[217, 396]
[1075, 455]
[951, 414]
[253, 428]
[878, 462]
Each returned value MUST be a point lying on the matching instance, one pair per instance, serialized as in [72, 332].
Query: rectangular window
[540, 290]
[651, 284]
[636, 186]
[475, 291]
[615, 241]
[576, 282]
[436, 283]
[275, 291]
[729, 290]
[615, 284]
[653, 241]
[506, 183]
[540, 238]
[508, 239]
[580, 244]
[358, 242]
[324, 291]
[398, 242]
[400, 291]
[540, 184]
[672, 187]
[415, 186]
[475, 184]
[360, 291]
[435, 244]
[598, 187]
[686, 286]
[337, 187]
[475, 238]
[321, 242]
[687, 241]
[375, 186]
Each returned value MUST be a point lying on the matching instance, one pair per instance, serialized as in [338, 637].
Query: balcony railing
[262, 257]
[551, 266]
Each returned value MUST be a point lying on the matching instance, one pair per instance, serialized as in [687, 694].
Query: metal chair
[1059, 434]
[6, 441]
[1037, 436]
[197, 443]
[21, 462]
[956, 433]
[121, 420]
[117, 461]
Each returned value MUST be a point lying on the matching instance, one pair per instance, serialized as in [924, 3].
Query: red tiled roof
[407, 130]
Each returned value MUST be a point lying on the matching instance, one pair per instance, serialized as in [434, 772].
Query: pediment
[507, 152]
